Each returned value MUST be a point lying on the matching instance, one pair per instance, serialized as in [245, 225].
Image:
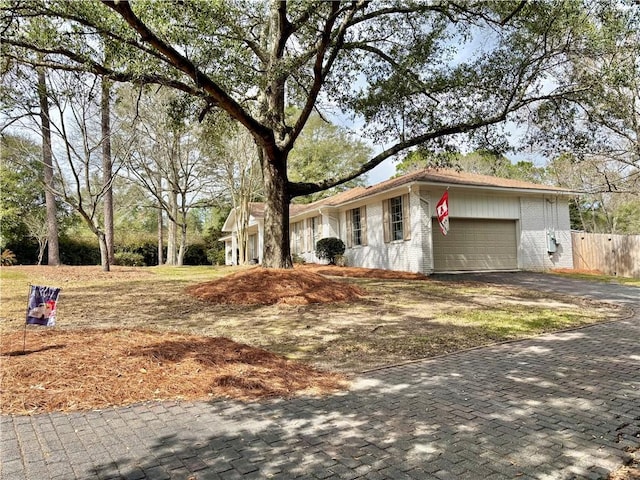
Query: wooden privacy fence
[609, 254]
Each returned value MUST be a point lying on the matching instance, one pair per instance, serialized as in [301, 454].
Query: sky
[387, 168]
[482, 40]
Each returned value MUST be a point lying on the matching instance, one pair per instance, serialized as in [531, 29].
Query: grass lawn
[594, 277]
[397, 320]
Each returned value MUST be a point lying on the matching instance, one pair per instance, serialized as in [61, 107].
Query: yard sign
[42, 305]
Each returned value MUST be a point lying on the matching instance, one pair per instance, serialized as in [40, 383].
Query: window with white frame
[253, 247]
[356, 226]
[395, 209]
[396, 219]
[296, 237]
[316, 231]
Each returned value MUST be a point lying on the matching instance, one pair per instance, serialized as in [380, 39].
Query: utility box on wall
[552, 242]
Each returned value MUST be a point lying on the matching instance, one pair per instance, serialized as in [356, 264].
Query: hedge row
[85, 252]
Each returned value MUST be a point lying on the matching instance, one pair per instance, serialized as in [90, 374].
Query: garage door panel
[475, 244]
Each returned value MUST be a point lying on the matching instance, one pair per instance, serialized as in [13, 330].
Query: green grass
[9, 274]
[199, 273]
[522, 321]
[632, 282]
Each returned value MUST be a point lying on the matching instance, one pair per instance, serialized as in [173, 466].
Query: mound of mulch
[269, 286]
[66, 370]
[359, 272]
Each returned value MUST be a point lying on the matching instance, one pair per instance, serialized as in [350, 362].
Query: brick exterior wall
[538, 217]
[535, 216]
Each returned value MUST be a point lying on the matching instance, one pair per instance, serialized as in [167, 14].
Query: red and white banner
[442, 210]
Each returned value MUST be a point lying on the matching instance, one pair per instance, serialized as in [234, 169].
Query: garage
[475, 244]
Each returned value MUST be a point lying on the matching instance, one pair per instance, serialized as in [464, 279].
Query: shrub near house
[329, 248]
[495, 224]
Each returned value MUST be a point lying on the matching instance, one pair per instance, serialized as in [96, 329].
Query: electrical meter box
[552, 242]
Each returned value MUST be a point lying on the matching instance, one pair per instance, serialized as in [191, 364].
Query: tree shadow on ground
[559, 406]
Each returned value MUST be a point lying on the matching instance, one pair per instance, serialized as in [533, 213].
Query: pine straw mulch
[270, 286]
[631, 470]
[359, 272]
[67, 370]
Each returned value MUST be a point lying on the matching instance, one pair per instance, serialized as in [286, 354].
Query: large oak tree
[415, 72]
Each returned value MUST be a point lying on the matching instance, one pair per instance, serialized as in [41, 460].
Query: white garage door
[474, 244]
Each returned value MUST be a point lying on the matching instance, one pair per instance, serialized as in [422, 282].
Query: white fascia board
[229, 223]
[503, 190]
[408, 187]
[314, 212]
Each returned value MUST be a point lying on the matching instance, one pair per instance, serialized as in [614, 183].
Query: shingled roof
[446, 177]
[454, 177]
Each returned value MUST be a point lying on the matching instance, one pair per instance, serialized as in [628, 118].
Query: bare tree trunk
[53, 257]
[42, 245]
[104, 254]
[160, 221]
[172, 241]
[277, 249]
[242, 223]
[183, 242]
[160, 237]
[107, 169]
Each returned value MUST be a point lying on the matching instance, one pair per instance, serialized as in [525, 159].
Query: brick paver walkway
[559, 406]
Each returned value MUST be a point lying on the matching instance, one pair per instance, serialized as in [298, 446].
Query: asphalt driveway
[559, 406]
[611, 292]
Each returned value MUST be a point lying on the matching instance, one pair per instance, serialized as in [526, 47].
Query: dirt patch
[93, 369]
[261, 286]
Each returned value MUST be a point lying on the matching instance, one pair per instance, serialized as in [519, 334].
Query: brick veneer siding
[538, 215]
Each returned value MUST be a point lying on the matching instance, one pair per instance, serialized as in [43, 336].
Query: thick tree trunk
[53, 256]
[277, 249]
[107, 169]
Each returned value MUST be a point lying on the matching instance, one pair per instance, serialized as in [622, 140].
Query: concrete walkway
[559, 406]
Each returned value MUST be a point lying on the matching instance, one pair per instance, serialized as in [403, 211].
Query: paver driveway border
[558, 406]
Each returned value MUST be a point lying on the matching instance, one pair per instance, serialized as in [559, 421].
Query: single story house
[494, 224]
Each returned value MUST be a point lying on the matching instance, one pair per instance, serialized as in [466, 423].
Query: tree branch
[391, 61]
[515, 12]
[85, 64]
[177, 60]
[306, 188]
[321, 67]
